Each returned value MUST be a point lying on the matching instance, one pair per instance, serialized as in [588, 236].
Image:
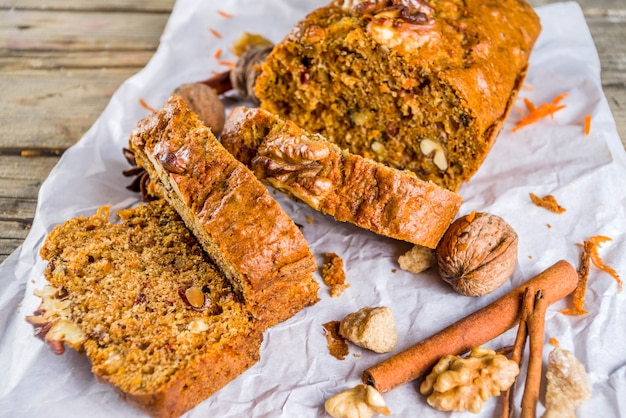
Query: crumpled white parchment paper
[296, 373]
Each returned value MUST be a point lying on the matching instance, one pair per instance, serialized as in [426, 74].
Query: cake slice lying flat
[241, 227]
[387, 201]
[151, 312]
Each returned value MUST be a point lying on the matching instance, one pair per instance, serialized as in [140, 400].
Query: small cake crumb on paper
[547, 202]
[417, 259]
[334, 275]
[337, 345]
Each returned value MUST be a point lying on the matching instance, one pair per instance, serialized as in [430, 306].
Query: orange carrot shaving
[539, 112]
[529, 105]
[547, 202]
[597, 261]
[587, 124]
[224, 14]
[215, 33]
[145, 105]
[578, 296]
[589, 254]
[527, 87]
[218, 53]
[229, 64]
[472, 215]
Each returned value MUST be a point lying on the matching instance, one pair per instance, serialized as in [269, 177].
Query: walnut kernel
[464, 384]
[477, 253]
[362, 401]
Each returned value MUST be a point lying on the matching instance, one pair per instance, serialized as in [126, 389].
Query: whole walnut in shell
[204, 102]
[477, 254]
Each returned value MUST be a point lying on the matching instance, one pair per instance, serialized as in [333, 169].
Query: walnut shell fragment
[477, 253]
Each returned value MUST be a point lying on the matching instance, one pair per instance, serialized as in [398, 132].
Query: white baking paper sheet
[586, 174]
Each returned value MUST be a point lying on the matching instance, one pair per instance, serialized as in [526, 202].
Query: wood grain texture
[61, 60]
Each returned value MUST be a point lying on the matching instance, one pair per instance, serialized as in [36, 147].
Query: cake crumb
[337, 345]
[371, 328]
[334, 275]
[547, 202]
[417, 259]
[309, 219]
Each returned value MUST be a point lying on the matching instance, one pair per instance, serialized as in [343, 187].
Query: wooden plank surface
[61, 60]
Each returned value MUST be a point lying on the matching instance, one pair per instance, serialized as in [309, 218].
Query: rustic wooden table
[60, 64]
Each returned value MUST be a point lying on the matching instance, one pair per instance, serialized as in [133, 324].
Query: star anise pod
[141, 179]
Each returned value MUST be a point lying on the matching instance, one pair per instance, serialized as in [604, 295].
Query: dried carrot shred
[527, 87]
[589, 255]
[215, 33]
[229, 64]
[224, 14]
[597, 261]
[145, 105]
[539, 112]
[547, 202]
[471, 216]
[578, 298]
[218, 53]
[587, 124]
[554, 342]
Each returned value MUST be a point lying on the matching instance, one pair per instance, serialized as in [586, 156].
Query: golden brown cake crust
[348, 187]
[242, 228]
[380, 77]
[116, 292]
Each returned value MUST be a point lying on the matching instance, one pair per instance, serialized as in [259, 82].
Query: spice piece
[547, 202]
[568, 385]
[474, 330]
[518, 350]
[464, 384]
[417, 259]
[371, 328]
[334, 275]
[337, 345]
[362, 401]
[539, 112]
[536, 325]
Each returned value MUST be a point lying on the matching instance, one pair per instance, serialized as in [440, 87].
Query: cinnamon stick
[536, 322]
[528, 301]
[474, 330]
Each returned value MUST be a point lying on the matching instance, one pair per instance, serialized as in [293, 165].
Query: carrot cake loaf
[423, 85]
[390, 202]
